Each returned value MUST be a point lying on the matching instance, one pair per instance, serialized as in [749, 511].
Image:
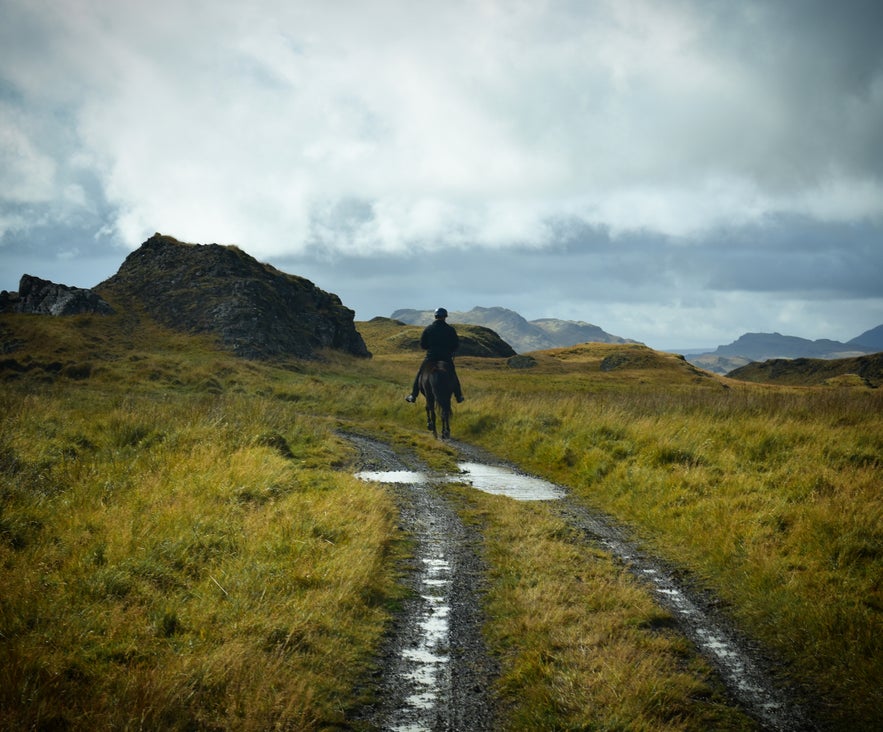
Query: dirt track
[435, 670]
[435, 673]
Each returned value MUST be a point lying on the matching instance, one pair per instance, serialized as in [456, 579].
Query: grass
[581, 645]
[180, 549]
[768, 496]
[182, 544]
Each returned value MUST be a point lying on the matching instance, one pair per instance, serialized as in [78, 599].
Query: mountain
[255, 310]
[763, 346]
[872, 339]
[857, 371]
[523, 335]
[753, 347]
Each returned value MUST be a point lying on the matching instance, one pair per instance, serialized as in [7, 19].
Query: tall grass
[582, 645]
[182, 545]
[771, 497]
[177, 560]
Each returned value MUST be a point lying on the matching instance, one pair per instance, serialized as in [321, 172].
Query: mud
[436, 673]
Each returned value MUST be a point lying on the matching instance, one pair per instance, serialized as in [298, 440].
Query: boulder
[49, 298]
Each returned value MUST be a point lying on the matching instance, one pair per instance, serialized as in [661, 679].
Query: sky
[678, 172]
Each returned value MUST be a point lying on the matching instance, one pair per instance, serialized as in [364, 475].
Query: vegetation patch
[182, 545]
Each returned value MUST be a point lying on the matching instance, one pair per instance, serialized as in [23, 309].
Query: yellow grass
[176, 558]
[770, 496]
[582, 645]
[182, 544]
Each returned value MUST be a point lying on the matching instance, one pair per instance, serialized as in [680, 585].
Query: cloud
[643, 160]
[470, 123]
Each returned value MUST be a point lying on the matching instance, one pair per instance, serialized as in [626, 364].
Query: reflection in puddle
[505, 482]
[426, 661]
[486, 478]
[393, 476]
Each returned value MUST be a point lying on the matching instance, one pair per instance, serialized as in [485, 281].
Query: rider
[440, 341]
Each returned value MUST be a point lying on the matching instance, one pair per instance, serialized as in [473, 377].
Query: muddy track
[437, 675]
[435, 672]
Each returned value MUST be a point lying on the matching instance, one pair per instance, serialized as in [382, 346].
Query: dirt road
[435, 671]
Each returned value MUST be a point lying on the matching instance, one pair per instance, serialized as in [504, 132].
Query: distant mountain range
[756, 347]
[864, 371]
[538, 335]
[523, 335]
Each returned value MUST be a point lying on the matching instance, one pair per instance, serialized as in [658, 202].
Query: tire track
[745, 671]
[434, 672]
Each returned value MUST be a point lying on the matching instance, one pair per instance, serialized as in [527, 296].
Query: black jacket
[440, 341]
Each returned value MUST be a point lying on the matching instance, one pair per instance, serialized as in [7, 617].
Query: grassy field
[182, 544]
[770, 497]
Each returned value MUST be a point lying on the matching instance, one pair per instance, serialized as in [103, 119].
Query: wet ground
[436, 674]
[435, 671]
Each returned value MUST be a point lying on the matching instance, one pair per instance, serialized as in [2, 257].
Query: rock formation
[255, 310]
[48, 298]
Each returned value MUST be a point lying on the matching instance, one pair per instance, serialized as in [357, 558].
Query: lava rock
[43, 297]
[254, 309]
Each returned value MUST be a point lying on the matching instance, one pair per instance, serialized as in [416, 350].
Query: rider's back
[440, 341]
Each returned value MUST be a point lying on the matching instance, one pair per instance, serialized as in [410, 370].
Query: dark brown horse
[436, 385]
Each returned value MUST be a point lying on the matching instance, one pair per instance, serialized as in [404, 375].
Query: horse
[436, 385]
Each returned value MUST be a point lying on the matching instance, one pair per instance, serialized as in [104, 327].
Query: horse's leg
[445, 386]
[430, 413]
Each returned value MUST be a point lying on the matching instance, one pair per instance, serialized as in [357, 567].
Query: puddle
[425, 663]
[505, 482]
[486, 478]
[393, 476]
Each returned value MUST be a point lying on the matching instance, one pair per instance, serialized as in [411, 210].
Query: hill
[387, 336]
[752, 347]
[870, 339]
[863, 370]
[523, 335]
[254, 310]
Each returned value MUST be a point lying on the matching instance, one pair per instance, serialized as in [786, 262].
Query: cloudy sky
[676, 171]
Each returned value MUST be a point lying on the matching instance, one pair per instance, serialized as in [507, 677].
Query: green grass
[182, 544]
[769, 496]
[180, 548]
[582, 646]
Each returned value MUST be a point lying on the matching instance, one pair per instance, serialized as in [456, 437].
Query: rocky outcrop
[43, 297]
[254, 309]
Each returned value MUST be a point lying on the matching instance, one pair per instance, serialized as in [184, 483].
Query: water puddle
[424, 663]
[505, 482]
[486, 478]
[393, 476]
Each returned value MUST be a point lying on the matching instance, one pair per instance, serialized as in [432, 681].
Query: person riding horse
[440, 341]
